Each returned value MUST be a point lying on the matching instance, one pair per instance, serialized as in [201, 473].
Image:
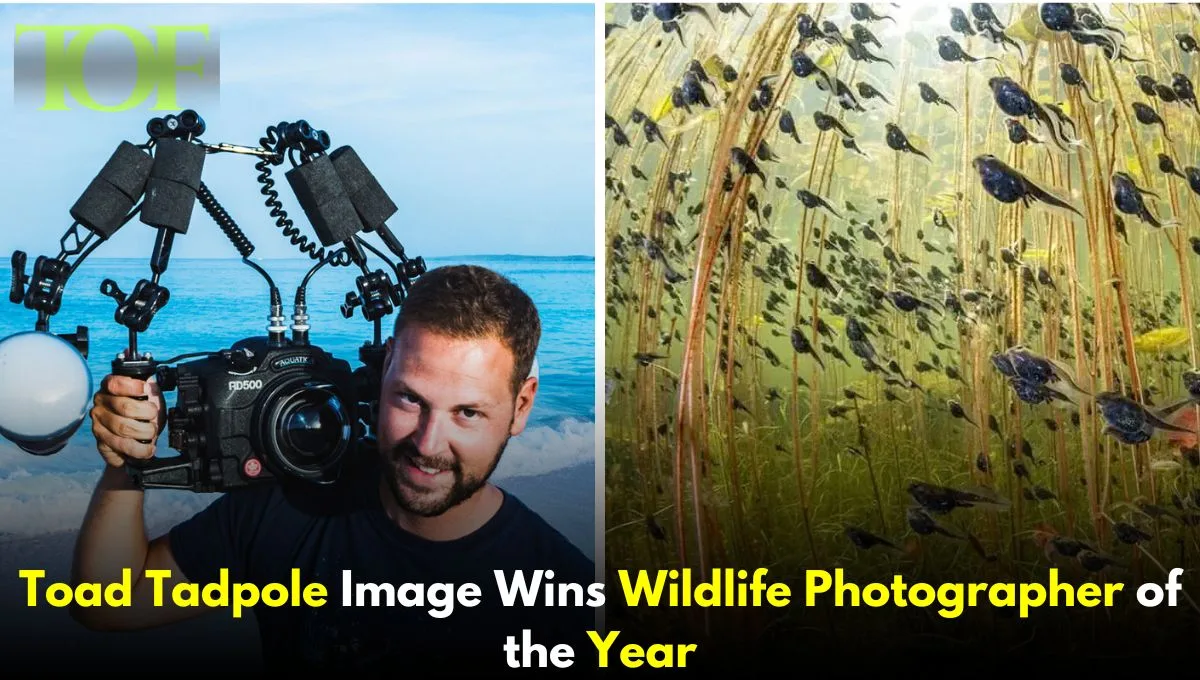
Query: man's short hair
[468, 302]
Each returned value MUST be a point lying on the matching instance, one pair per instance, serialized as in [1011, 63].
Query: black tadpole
[787, 125]
[1167, 166]
[802, 345]
[1007, 185]
[949, 50]
[1071, 76]
[1127, 197]
[931, 96]
[1148, 116]
[898, 141]
[730, 7]
[959, 23]
[861, 11]
[867, 91]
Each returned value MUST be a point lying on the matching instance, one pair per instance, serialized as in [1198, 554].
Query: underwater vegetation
[904, 288]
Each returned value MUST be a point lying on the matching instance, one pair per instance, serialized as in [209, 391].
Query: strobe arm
[171, 184]
[342, 199]
[104, 207]
[45, 295]
[108, 204]
[374, 207]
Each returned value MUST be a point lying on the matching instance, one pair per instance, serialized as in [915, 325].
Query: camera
[267, 409]
[257, 412]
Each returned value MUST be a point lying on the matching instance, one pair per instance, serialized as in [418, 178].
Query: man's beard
[463, 488]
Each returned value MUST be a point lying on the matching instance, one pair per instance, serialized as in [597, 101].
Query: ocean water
[214, 303]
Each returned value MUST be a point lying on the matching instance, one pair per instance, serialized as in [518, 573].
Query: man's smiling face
[447, 411]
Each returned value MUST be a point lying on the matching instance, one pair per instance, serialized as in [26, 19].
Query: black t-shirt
[260, 534]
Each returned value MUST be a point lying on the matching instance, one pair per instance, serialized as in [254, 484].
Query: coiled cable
[272, 142]
[223, 219]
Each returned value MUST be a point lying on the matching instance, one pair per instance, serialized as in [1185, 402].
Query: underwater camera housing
[269, 408]
[261, 410]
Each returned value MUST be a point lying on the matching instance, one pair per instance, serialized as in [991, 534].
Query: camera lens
[312, 429]
[308, 429]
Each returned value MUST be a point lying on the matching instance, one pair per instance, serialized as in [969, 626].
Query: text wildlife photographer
[456, 386]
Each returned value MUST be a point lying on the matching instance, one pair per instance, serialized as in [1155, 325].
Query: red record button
[252, 467]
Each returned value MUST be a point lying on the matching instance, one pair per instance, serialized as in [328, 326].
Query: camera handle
[140, 369]
[156, 473]
[174, 472]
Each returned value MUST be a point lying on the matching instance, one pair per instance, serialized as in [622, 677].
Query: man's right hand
[113, 535]
[125, 412]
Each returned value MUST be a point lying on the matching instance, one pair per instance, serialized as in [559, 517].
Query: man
[456, 386]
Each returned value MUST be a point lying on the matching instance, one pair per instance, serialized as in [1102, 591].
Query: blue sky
[478, 120]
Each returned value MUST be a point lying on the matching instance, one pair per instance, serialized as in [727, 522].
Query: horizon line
[286, 258]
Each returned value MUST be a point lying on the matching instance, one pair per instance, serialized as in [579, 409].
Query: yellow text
[634, 656]
[222, 593]
[953, 598]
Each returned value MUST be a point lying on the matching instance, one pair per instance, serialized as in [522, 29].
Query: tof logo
[111, 68]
